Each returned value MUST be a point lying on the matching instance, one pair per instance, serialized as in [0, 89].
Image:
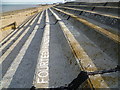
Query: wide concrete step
[21, 57]
[109, 21]
[101, 9]
[94, 4]
[15, 46]
[89, 56]
[97, 34]
[8, 41]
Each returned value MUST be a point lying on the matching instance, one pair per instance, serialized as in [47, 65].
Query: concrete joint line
[81, 12]
[68, 17]
[93, 8]
[43, 27]
[105, 4]
[47, 23]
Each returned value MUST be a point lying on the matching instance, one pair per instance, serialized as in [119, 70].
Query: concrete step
[11, 53]
[88, 55]
[101, 9]
[24, 60]
[95, 18]
[15, 35]
[56, 64]
[97, 34]
[94, 4]
[104, 19]
[49, 56]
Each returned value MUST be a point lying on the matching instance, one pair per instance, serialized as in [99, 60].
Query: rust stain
[111, 80]
[86, 64]
[97, 82]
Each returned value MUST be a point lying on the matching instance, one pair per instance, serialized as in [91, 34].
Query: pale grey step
[25, 61]
[11, 53]
[15, 36]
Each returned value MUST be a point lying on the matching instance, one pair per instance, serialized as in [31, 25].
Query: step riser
[110, 48]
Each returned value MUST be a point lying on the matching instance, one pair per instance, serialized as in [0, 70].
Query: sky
[29, 1]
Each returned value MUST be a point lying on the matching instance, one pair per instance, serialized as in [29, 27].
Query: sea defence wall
[55, 45]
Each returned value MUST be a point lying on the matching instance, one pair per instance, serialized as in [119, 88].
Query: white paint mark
[42, 70]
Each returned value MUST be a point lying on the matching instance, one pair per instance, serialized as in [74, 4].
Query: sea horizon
[13, 7]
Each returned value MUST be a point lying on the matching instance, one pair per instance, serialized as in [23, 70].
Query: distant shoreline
[18, 10]
[18, 16]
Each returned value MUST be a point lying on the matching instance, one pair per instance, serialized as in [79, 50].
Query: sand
[17, 16]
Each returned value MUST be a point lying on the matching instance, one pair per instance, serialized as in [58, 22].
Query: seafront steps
[20, 59]
[105, 7]
[101, 23]
[54, 45]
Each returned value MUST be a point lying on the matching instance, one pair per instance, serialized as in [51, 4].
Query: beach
[17, 16]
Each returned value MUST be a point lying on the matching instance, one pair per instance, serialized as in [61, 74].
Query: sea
[12, 7]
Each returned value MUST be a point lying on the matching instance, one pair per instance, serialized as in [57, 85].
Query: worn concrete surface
[50, 53]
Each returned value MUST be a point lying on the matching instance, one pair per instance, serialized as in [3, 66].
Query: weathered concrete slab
[92, 49]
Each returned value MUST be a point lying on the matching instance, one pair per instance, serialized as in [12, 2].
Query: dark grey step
[94, 4]
[102, 9]
[107, 20]
[10, 58]
[106, 44]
